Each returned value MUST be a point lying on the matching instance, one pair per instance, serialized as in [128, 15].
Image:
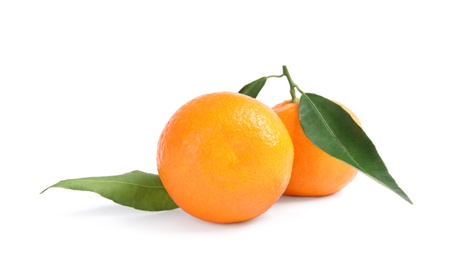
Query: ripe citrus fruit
[315, 173]
[225, 157]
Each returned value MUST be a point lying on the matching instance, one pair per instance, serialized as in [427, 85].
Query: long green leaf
[333, 130]
[253, 88]
[135, 189]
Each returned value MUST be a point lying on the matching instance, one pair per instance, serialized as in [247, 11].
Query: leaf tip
[45, 189]
[406, 198]
[51, 186]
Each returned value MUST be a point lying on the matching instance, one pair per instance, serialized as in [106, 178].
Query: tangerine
[225, 157]
[315, 173]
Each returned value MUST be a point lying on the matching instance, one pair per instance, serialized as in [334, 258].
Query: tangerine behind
[225, 157]
[315, 173]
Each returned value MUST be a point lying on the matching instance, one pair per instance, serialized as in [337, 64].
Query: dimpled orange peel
[225, 157]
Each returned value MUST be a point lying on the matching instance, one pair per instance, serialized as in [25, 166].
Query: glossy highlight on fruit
[225, 157]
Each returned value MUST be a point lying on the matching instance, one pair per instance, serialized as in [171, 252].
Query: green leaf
[333, 130]
[253, 88]
[135, 189]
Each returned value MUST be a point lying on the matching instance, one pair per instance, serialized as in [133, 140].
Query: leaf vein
[118, 182]
[329, 129]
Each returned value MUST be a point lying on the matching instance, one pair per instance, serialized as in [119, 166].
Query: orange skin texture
[225, 157]
[315, 173]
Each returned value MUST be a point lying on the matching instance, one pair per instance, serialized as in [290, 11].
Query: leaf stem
[292, 86]
[275, 76]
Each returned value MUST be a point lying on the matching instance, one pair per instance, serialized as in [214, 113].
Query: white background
[87, 86]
